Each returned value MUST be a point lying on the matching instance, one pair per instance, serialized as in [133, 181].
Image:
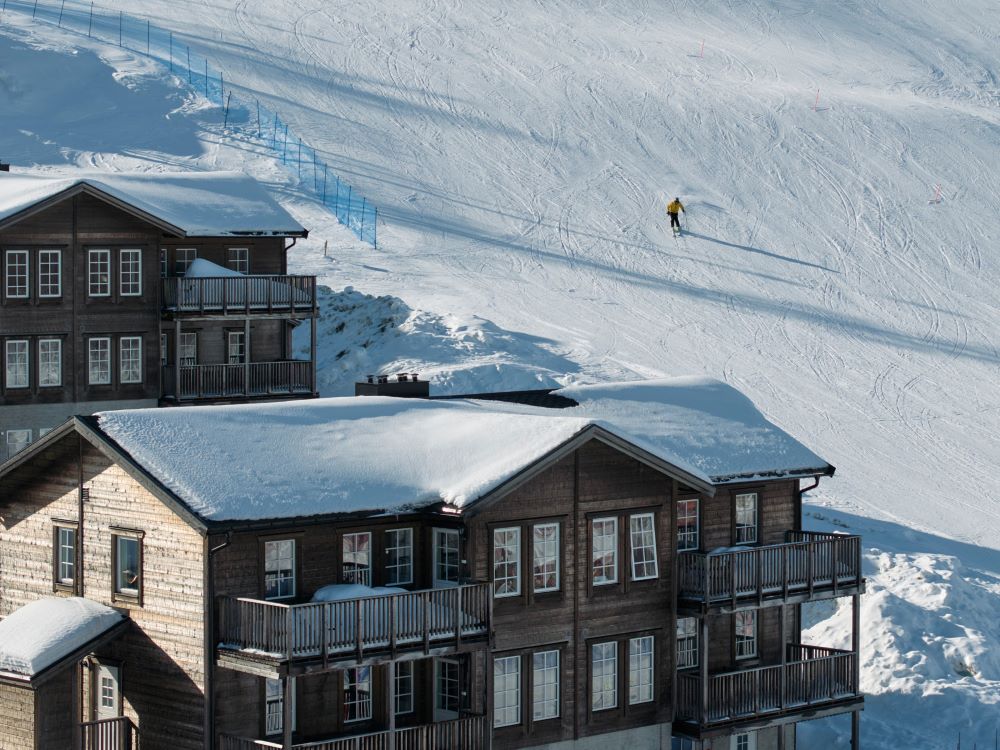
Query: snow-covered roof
[39, 634]
[199, 204]
[342, 455]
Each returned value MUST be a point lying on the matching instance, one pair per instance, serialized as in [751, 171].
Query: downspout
[798, 501]
[79, 516]
[209, 583]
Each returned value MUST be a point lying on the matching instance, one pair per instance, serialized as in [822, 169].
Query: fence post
[299, 166]
[190, 80]
[350, 189]
[61, 8]
[375, 230]
[147, 36]
[336, 201]
[324, 184]
[259, 135]
[284, 148]
[274, 135]
[362, 235]
[222, 90]
[90, 23]
[33, 10]
[206, 78]
[121, 23]
[225, 116]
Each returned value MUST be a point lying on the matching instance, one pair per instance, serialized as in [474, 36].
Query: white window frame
[47, 287]
[602, 545]
[357, 552]
[506, 691]
[17, 268]
[441, 561]
[164, 263]
[280, 565]
[746, 645]
[687, 642]
[99, 272]
[17, 363]
[274, 707]
[189, 343]
[21, 438]
[104, 357]
[130, 272]
[236, 350]
[688, 524]
[642, 544]
[403, 674]
[744, 741]
[130, 359]
[164, 350]
[545, 685]
[641, 669]
[65, 554]
[603, 676]
[183, 258]
[357, 694]
[126, 585]
[507, 562]
[545, 556]
[235, 262]
[747, 517]
[49, 363]
[399, 546]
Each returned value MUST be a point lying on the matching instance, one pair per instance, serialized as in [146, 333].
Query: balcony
[108, 734]
[468, 733]
[814, 680]
[250, 380]
[260, 636]
[808, 566]
[239, 295]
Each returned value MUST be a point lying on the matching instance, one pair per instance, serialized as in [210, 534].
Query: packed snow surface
[41, 633]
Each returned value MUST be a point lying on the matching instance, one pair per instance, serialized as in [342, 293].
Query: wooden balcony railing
[807, 562]
[468, 733]
[108, 734]
[355, 627]
[239, 295]
[811, 677]
[256, 379]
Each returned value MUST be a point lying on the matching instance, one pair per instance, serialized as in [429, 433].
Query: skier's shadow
[759, 251]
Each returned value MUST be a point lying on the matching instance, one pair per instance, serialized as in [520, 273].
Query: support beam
[246, 356]
[703, 666]
[390, 702]
[855, 730]
[312, 350]
[177, 359]
[288, 696]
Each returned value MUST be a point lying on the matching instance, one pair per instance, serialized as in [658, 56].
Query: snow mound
[338, 592]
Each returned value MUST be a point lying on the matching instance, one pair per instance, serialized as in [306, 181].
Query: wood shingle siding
[17, 705]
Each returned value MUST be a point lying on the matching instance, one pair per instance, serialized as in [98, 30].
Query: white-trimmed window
[398, 557]
[744, 741]
[506, 691]
[604, 676]
[128, 564]
[274, 707]
[17, 441]
[17, 363]
[687, 524]
[99, 361]
[65, 555]
[98, 272]
[357, 694]
[16, 273]
[507, 562]
[183, 258]
[605, 551]
[164, 263]
[683, 743]
[687, 642]
[130, 272]
[239, 259]
[130, 356]
[746, 518]
[640, 670]
[642, 534]
[404, 687]
[50, 273]
[279, 569]
[164, 350]
[357, 559]
[189, 349]
[236, 347]
[545, 557]
[746, 634]
[545, 685]
[49, 362]
[446, 556]
[448, 693]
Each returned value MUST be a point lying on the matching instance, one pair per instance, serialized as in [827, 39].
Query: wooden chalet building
[133, 290]
[407, 574]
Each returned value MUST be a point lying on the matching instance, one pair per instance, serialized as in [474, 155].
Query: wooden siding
[17, 718]
[56, 725]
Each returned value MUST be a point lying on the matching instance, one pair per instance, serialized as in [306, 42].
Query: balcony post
[703, 666]
[834, 573]
[855, 730]
[246, 356]
[782, 637]
[390, 702]
[856, 639]
[288, 693]
[177, 358]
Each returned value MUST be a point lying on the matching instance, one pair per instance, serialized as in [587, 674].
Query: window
[404, 686]
[65, 555]
[640, 670]
[447, 698]
[239, 259]
[642, 532]
[189, 349]
[398, 556]
[274, 707]
[98, 273]
[687, 642]
[236, 347]
[164, 352]
[50, 273]
[506, 691]
[358, 558]
[545, 685]
[604, 676]
[746, 518]
[687, 524]
[49, 362]
[279, 569]
[107, 692]
[682, 743]
[605, 551]
[130, 273]
[17, 364]
[506, 562]
[745, 741]
[128, 564]
[545, 557]
[130, 351]
[17, 441]
[357, 694]
[445, 556]
[16, 272]
[183, 258]
[99, 361]
[746, 634]
[164, 263]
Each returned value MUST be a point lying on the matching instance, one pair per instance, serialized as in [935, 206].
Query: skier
[673, 208]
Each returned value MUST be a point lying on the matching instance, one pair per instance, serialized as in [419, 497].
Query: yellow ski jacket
[674, 207]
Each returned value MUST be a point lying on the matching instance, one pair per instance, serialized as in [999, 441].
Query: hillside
[521, 154]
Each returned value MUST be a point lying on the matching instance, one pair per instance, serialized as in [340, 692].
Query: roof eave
[776, 474]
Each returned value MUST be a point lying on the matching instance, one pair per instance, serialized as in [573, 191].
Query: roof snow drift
[194, 204]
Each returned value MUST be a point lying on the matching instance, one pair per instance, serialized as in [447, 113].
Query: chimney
[404, 385]
[4, 166]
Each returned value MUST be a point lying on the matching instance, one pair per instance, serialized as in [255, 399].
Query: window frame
[23, 273]
[130, 279]
[234, 262]
[745, 647]
[93, 253]
[125, 376]
[633, 643]
[45, 276]
[91, 340]
[392, 556]
[535, 685]
[632, 548]
[365, 577]
[686, 656]
[516, 690]
[186, 261]
[557, 542]
[603, 520]
[511, 546]
[25, 346]
[685, 531]
[440, 554]
[42, 382]
[164, 350]
[60, 582]
[294, 573]
[239, 338]
[118, 591]
[400, 693]
[23, 443]
[188, 336]
[594, 708]
[278, 700]
[738, 527]
[362, 699]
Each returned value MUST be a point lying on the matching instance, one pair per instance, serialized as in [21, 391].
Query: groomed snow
[41, 633]
[203, 204]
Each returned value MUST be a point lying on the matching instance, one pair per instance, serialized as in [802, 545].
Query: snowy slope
[520, 154]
